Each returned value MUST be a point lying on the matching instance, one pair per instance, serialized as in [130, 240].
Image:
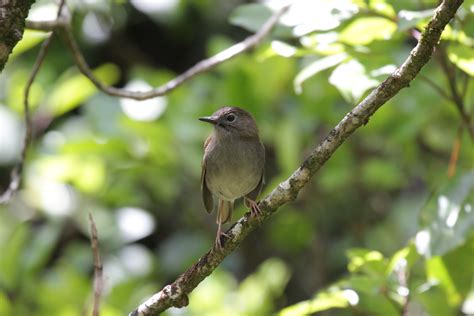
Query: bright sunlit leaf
[30, 39]
[363, 31]
[367, 260]
[463, 57]
[437, 273]
[382, 7]
[352, 81]
[403, 259]
[323, 301]
[322, 15]
[449, 217]
[316, 67]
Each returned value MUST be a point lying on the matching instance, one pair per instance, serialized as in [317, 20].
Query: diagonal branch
[15, 176]
[175, 294]
[202, 66]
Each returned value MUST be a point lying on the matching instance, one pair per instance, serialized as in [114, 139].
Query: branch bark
[176, 293]
[12, 24]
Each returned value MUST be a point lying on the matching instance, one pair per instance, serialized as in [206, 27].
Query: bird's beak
[209, 119]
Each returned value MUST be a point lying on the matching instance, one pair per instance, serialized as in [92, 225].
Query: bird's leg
[254, 208]
[220, 233]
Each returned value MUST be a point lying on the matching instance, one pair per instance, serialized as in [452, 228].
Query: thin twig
[202, 66]
[61, 24]
[436, 87]
[176, 293]
[15, 177]
[457, 99]
[98, 268]
[453, 160]
[465, 85]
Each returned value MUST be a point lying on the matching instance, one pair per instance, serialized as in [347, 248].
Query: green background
[381, 229]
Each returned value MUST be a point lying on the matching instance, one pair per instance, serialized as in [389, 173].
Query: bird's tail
[224, 211]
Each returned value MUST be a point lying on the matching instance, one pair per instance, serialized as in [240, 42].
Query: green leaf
[30, 39]
[365, 260]
[316, 67]
[376, 304]
[11, 264]
[40, 249]
[463, 57]
[438, 274]
[352, 81]
[461, 257]
[382, 7]
[6, 307]
[404, 259]
[73, 90]
[433, 299]
[449, 216]
[458, 36]
[258, 289]
[363, 31]
[250, 16]
[329, 299]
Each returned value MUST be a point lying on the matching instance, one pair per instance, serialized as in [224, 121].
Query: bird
[233, 164]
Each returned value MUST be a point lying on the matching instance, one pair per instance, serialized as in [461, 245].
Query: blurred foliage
[382, 229]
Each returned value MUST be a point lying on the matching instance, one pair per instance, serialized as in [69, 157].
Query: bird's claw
[255, 210]
[218, 243]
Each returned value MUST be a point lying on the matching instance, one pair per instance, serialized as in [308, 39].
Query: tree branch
[12, 24]
[200, 67]
[15, 177]
[62, 25]
[436, 87]
[175, 294]
[456, 96]
[98, 268]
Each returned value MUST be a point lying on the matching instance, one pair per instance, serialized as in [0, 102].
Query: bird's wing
[255, 192]
[206, 194]
[252, 195]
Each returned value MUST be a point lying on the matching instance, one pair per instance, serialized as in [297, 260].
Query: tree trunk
[12, 24]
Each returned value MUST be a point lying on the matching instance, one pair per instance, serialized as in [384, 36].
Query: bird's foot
[218, 242]
[254, 209]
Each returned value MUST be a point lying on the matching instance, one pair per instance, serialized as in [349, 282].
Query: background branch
[176, 293]
[15, 177]
[456, 95]
[200, 67]
[62, 25]
[98, 268]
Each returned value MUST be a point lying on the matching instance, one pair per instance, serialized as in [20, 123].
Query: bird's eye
[230, 118]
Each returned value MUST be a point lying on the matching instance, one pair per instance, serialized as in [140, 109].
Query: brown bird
[233, 164]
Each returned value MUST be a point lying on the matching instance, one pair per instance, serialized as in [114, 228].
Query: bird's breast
[233, 170]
